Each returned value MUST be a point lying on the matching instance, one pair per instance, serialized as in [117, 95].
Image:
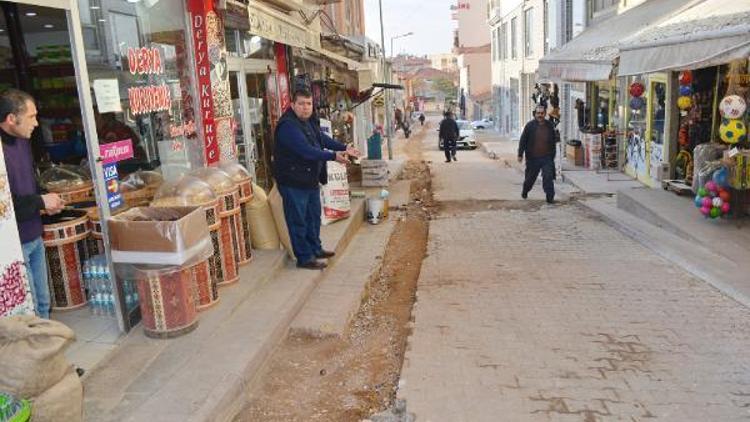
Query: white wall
[473, 30]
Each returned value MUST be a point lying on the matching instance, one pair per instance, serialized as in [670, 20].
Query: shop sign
[111, 153]
[112, 183]
[285, 99]
[149, 98]
[203, 68]
[276, 29]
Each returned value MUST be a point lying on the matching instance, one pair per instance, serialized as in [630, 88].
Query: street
[532, 312]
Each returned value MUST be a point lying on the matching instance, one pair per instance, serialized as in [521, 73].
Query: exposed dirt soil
[350, 378]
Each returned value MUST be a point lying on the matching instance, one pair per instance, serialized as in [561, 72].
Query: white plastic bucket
[374, 210]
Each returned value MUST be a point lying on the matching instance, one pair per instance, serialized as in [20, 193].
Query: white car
[482, 124]
[466, 138]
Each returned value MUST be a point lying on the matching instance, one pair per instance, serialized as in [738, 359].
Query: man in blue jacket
[538, 143]
[17, 122]
[299, 166]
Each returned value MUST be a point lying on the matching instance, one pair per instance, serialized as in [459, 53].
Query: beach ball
[721, 177]
[724, 195]
[698, 201]
[706, 202]
[711, 187]
[717, 202]
[715, 212]
[725, 208]
[636, 89]
[686, 77]
[686, 90]
[637, 103]
[702, 191]
[732, 131]
[684, 102]
[705, 211]
[732, 107]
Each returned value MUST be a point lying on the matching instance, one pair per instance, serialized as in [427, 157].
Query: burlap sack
[32, 354]
[277, 206]
[62, 402]
[263, 233]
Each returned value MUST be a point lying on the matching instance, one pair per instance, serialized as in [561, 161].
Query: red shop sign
[199, 9]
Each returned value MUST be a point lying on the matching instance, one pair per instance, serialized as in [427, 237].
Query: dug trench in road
[350, 377]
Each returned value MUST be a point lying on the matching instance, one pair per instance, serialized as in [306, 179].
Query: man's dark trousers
[302, 215]
[547, 166]
[450, 149]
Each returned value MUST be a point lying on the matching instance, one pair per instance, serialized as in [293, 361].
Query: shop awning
[708, 33]
[337, 58]
[590, 55]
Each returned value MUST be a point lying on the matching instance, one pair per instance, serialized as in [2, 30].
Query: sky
[430, 20]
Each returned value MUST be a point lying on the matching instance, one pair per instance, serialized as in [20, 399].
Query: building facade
[471, 45]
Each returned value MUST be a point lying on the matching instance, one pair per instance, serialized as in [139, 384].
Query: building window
[528, 17]
[546, 26]
[513, 38]
[504, 41]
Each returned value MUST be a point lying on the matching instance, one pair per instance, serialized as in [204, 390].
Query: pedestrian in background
[299, 166]
[449, 134]
[421, 119]
[17, 122]
[538, 145]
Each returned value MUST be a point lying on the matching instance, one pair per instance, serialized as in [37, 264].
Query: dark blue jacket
[301, 152]
[27, 202]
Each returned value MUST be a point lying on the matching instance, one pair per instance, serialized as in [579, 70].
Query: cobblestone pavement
[548, 314]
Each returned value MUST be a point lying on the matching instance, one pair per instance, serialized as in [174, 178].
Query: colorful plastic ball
[636, 89]
[702, 191]
[724, 195]
[686, 90]
[732, 107]
[705, 211]
[721, 177]
[684, 102]
[698, 201]
[732, 131]
[686, 77]
[715, 212]
[717, 202]
[725, 208]
[711, 186]
[706, 202]
[637, 103]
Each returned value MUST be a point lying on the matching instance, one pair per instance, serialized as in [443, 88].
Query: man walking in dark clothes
[538, 144]
[299, 166]
[449, 134]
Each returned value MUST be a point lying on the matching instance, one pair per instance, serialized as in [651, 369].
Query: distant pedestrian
[421, 119]
[300, 157]
[449, 134]
[538, 145]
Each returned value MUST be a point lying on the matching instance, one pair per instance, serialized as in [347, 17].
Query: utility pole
[388, 125]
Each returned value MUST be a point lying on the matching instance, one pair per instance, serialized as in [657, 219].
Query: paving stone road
[549, 314]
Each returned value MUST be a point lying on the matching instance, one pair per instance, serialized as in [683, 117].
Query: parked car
[466, 138]
[482, 124]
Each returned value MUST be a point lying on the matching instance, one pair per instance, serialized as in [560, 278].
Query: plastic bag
[702, 154]
[334, 196]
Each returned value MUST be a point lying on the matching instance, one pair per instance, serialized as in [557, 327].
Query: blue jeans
[547, 166]
[36, 267]
[302, 215]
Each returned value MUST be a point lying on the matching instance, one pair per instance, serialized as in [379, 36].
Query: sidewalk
[715, 251]
[203, 375]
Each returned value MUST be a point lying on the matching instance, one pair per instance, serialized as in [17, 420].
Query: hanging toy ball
[732, 131]
[702, 191]
[698, 201]
[717, 202]
[686, 77]
[732, 107]
[711, 187]
[725, 208]
[683, 136]
[724, 195]
[637, 103]
[705, 211]
[684, 102]
[706, 202]
[715, 212]
[686, 90]
[636, 89]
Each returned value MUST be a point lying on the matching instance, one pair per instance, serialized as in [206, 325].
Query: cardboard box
[168, 235]
[574, 154]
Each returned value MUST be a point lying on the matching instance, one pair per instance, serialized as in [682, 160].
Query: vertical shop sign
[283, 78]
[199, 9]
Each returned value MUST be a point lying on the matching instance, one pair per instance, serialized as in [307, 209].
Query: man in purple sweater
[17, 122]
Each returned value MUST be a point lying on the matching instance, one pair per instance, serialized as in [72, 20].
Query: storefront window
[143, 89]
[255, 47]
[658, 111]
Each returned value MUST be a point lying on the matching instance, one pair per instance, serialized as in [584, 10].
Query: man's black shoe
[524, 195]
[550, 200]
[312, 265]
[447, 161]
[454, 158]
[324, 254]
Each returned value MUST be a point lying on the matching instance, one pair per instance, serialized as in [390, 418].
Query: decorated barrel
[64, 238]
[95, 242]
[191, 191]
[168, 299]
[138, 189]
[241, 177]
[229, 213]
